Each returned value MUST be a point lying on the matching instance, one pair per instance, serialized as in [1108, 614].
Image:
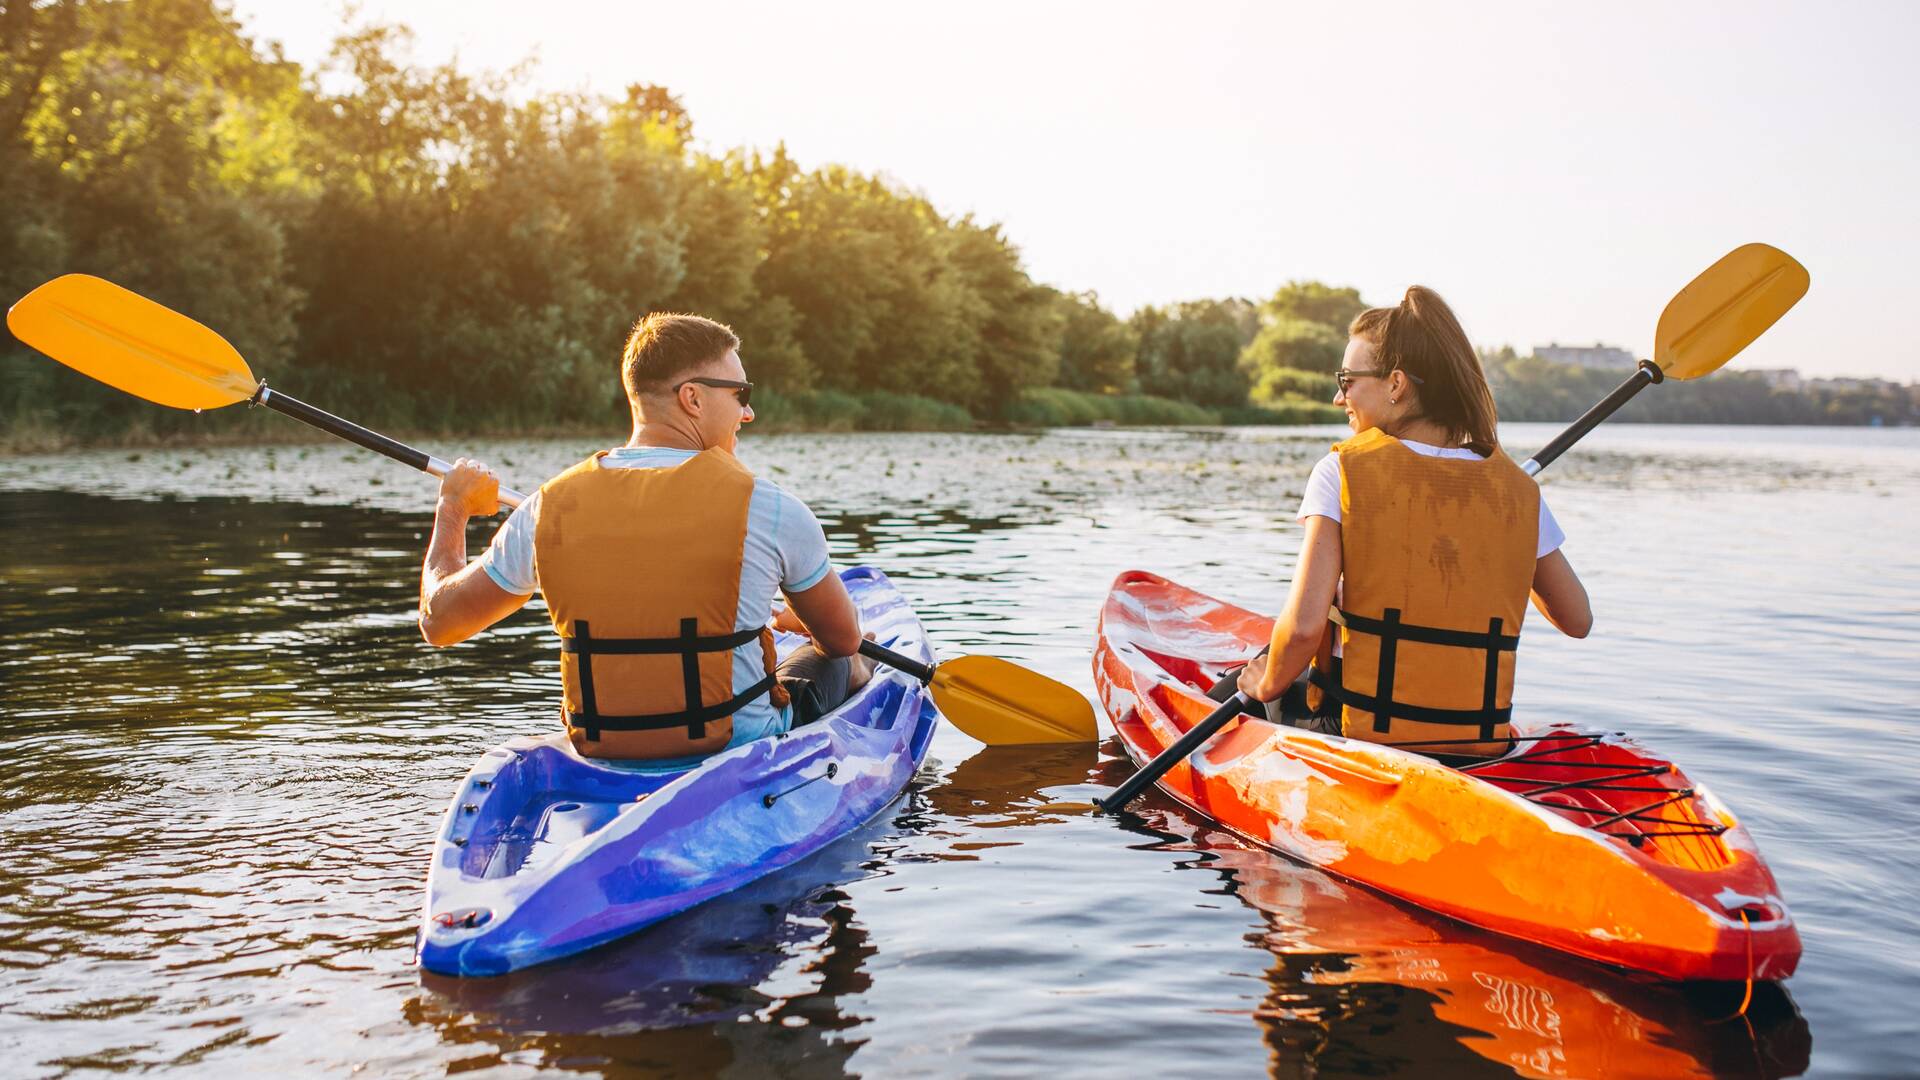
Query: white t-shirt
[785, 550]
[1322, 497]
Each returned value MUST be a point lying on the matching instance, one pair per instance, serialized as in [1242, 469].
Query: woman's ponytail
[1421, 337]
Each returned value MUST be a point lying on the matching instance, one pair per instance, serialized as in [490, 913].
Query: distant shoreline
[290, 434]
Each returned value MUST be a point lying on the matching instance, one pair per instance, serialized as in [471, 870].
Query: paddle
[151, 351]
[997, 702]
[1705, 325]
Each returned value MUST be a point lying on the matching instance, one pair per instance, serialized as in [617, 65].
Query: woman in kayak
[1429, 539]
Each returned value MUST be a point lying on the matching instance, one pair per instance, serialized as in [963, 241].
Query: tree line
[445, 250]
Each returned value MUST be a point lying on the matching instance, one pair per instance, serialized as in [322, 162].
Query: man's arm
[457, 598]
[830, 617]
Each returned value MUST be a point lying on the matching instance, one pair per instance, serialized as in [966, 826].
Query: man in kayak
[1431, 541]
[659, 561]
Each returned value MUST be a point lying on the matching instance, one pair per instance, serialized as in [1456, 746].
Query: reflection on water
[225, 750]
[1359, 980]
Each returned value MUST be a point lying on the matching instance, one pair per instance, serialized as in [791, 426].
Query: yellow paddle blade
[1001, 703]
[131, 343]
[1725, 308]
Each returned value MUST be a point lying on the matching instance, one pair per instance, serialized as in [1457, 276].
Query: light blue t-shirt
[786, 550]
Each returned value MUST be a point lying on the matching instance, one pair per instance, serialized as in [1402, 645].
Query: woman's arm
[1558, 595]
[1298, 630]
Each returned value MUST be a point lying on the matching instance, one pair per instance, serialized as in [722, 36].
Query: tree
[1191, 352]
[1096, 349]
[1314, 302]
[130, 141]
[1297, 344]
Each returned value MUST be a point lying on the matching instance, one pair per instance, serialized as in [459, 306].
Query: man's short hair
[665, 346]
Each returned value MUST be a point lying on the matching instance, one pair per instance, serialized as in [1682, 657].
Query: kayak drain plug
[833, 769]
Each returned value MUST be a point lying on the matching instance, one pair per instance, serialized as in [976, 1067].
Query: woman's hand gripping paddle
[151, 351]
[1705, 325]
[998, 702]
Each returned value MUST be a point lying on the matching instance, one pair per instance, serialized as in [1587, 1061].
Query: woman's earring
[1393, 401]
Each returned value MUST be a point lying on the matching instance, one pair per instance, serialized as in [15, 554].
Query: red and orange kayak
[1584, 842]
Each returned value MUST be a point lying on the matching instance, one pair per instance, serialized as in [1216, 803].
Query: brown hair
[664, 346]
[1421, 337]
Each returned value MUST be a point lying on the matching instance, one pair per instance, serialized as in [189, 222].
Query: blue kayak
[544, 853]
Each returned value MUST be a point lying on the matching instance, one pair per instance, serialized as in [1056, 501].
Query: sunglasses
[1344, 377]
[743, 391]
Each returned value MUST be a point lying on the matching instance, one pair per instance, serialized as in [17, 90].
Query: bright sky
[1557, 173]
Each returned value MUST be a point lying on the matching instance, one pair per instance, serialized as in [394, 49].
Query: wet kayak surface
[227, 751]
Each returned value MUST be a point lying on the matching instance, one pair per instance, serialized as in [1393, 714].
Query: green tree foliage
[144, 142]
[1097, 349]
[1314, 302]
[1302, 337]
[444, 249]
[1291, 344]
[1191, 351]
[1529, 388]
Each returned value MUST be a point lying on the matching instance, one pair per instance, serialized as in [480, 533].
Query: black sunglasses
[741, 390]
[1345, 377]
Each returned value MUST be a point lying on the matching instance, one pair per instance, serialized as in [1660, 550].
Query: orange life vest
[1437, 561]
[641, 573]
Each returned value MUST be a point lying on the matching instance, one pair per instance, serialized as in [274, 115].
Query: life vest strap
[688, 645]
[1391, 632]
[1484, 718]
[581, 644]
[1427, 635]
[695, 720]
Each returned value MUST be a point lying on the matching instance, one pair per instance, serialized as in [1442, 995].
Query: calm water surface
[226, 750]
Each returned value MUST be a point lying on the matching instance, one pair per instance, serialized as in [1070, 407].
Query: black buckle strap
[1384, 711]
[689, 646]
[1391, 631]
[694, 720]
[581, 644]
[1427, 635]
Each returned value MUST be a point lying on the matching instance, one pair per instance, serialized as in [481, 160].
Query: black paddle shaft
[1645, 375]
[354, 433]
[1186, 744]
[897, 661]
[345, 429]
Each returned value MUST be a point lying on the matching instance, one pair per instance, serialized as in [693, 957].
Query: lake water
[227, 749]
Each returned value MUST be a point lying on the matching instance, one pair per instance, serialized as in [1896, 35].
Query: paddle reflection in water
[1360, 982]
[756, 977]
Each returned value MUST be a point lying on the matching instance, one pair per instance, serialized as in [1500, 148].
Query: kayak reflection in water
[659, 561]
[1429, 539]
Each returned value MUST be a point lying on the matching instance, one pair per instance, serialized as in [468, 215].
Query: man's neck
[663, 437]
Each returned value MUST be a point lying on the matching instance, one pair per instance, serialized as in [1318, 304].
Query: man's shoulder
[777, 495]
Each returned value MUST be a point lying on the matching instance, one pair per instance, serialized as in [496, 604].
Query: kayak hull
[1585, 843]
[543, 853]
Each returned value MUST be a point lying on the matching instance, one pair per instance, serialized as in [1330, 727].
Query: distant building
[1587, 356]
[1785, 378]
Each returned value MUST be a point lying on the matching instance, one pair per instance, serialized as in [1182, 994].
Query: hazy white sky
[1557, 174]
